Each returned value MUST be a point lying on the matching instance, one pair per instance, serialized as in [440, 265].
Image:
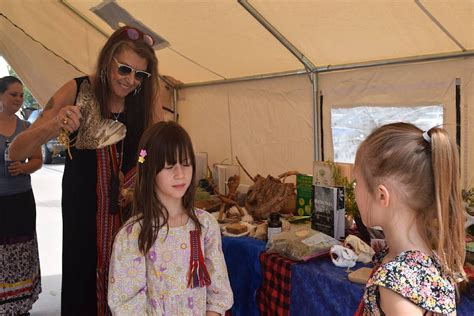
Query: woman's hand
[58, 115]
[16, 168]
[68, 118]
[34, 163]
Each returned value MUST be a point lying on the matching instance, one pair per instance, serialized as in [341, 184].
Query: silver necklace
[116, 116]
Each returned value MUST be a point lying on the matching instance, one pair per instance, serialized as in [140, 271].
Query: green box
[304, 193]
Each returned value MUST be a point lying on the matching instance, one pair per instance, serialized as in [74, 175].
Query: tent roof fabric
[48, 42]
[219, 39]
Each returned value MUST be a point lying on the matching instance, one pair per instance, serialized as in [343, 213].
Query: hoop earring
[137, 89]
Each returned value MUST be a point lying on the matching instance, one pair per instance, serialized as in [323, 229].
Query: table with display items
[269, 284]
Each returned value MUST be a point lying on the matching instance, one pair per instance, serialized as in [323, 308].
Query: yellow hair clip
[141, 158]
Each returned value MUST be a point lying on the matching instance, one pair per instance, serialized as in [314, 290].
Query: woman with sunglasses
[123, 89]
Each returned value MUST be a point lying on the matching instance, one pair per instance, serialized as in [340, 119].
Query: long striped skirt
[20, 278]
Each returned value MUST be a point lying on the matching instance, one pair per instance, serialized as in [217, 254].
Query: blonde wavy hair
[427, 169]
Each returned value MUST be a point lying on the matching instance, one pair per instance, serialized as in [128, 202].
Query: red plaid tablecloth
[273, 297]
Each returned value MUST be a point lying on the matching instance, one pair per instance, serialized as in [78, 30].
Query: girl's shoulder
[415, 260]
[131, 226]
[418, 278]
[205, 218]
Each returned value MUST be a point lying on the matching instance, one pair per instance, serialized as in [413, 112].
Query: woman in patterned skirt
[20, 279]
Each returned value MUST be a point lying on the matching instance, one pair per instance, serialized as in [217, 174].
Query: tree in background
[29, 102]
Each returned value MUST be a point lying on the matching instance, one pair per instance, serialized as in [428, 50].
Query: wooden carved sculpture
[229, 200]
[270, 194]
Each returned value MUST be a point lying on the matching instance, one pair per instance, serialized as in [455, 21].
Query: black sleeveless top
[79, 206]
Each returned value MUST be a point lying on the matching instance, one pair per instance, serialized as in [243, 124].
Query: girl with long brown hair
[167, 259]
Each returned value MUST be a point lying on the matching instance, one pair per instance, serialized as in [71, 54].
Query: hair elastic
[426, 136]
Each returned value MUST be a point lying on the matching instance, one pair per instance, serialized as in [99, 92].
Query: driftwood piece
[268, 195]
[285, 175]
[245, 170]
[229, 200]
[233, 184]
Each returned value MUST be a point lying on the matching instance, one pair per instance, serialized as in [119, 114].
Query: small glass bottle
[7, 158]
[274, 226]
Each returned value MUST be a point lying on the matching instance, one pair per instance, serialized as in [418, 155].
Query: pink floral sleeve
[219, 294]
[127, 275]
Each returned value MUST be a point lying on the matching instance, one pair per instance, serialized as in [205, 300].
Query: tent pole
[439, 25]
[83, 17]
[243, 79]
[387, 62]
[316, 117]
[175, 104]
[270, 28]
[397, 61]
[309, 66]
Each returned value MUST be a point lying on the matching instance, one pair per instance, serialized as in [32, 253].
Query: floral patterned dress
[415, 276]
[156, 284]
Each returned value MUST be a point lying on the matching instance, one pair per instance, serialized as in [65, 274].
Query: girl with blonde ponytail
[408, 183]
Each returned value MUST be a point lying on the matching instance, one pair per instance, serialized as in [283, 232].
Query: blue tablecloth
[245, 273]
[317, 286]
[320, 288]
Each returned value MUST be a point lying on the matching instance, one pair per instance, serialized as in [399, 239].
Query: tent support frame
[175, 104]
[317, 149]
[270, 28]
[398, 61]
[314, 71]
[317, 139]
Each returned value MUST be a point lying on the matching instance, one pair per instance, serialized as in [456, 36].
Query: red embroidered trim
[197, 274]
[107, 225]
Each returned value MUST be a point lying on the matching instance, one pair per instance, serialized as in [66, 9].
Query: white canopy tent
[253, 72]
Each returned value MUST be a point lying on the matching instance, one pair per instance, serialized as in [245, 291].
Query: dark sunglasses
[134, 34]
[125, 70]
